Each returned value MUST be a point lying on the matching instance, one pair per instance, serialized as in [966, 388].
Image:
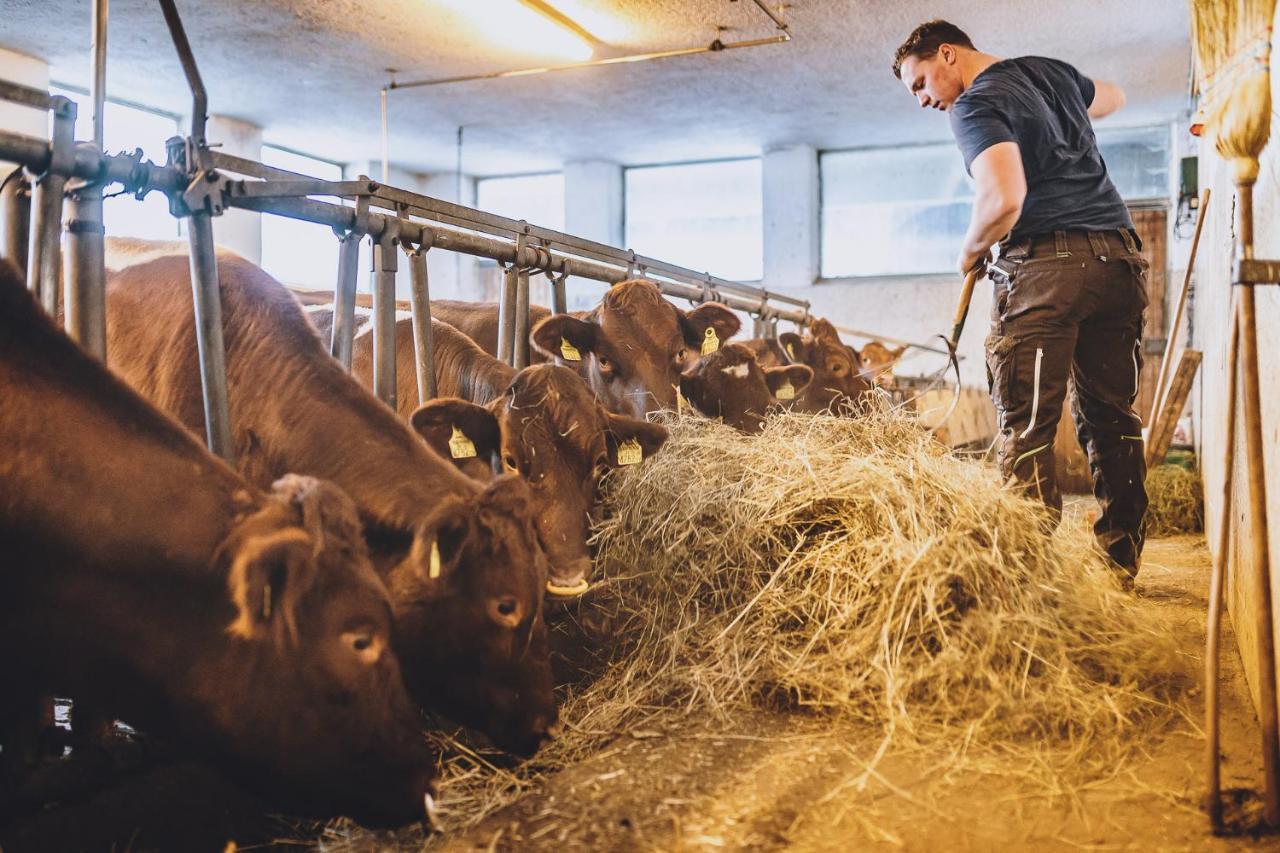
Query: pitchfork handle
[962, 310]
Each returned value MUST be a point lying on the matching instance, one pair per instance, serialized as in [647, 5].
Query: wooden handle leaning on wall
[1162, 378]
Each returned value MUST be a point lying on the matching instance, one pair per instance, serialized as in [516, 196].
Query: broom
[1233, 51]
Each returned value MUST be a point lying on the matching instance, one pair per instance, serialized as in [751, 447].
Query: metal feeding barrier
[201, 183]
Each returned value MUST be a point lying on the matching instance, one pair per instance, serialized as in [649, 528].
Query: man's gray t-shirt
[1042, 105]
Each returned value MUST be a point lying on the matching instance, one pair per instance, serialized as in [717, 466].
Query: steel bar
[98, 83]
[85, 281]
[1221, 559]
[207, 299]
[506, 315]
[16, 93]
[44, 256]
[300, 189]
[384, 256]
[520, 352]
[199, 98]
[342, 340]
[423, 339]
[773, 16]
[15, 218]
[559, 298]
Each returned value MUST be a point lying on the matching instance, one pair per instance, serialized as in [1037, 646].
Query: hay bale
[1175, 498]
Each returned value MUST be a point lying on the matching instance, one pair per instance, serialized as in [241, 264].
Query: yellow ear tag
[433, 571]
[710, 343]
[568, 351]
[791, 352]
[786, 391]
[461, 447]
[630, 453]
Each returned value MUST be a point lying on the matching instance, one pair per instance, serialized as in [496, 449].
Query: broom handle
[1163, 377]
[962, 309]
[1221, 558]
[1259, 541]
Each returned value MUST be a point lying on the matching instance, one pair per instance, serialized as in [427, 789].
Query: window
[126, 128]
[1137, 160]
[891, 211]
[537, 199]
[294, 251]
[705, 216]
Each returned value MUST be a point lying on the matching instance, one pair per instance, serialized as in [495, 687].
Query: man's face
[936, 81]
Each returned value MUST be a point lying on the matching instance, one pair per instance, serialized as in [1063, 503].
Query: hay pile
[1176, 501]
[857, 569]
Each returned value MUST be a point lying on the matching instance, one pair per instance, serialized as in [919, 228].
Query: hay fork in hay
[957, 328]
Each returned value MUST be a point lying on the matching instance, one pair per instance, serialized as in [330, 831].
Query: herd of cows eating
[289, 620]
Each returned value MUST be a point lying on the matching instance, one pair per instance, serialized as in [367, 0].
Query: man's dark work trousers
[1070, 303]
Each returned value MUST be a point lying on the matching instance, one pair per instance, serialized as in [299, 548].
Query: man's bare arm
[1001, 190]
[1107, 98]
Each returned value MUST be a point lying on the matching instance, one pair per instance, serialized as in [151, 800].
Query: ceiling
[309, 71]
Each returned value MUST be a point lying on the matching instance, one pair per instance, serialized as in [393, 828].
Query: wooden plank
[1175, 400]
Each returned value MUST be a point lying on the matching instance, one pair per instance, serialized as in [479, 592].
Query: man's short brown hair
[924, 41]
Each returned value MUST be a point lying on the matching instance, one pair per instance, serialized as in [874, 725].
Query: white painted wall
[238, 230]
[791, 216]
[29, 71]
[593, 208]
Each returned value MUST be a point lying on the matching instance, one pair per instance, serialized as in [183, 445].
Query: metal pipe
[15, 218]
[716, 46]
[384, 317]
[423, 339]
[199, 98]
[98, 84]
[207, 302]
[507, 316]
[386, 137]
[777, 20]
[85, 281]
[520, 351]
[44, 257]
[342, 340]
[559, 298]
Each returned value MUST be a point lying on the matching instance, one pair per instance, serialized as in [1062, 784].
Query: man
[1069, 286]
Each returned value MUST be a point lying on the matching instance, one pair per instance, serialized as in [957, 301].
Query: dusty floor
[774, 781]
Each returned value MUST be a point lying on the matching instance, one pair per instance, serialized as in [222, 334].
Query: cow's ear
[438, 545]
[897, 353]
[566, 338]
[269, 576]
[798, 376]
[457, 429]
[697, 389]
[630, 433]
[694, 325]
[796, 347]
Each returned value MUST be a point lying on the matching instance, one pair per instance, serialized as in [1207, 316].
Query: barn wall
[29, 71]
[1211, 331]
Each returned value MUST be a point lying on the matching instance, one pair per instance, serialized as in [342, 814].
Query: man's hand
[970, 261]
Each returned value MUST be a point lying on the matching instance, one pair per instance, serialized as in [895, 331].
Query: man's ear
[458, 430]
[269, 576]
[797, 375]
[621, 429]
[796, 348]
[694, 324]
[566, 338]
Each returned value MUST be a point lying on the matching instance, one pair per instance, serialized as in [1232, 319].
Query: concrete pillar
[593, 208]
[791, 216]
[238, 230]
[29, 71]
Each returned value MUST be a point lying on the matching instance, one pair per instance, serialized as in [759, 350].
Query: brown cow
[141, 575]
[730, 385]
[541, 422]
[460, 559]
[630, 349]
[878, 361]
[838, 385]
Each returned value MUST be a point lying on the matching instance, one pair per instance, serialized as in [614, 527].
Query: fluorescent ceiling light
[532, 26]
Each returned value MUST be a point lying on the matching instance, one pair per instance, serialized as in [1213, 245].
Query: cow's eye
[505, 611]
[509, 462]
[681, 356]
[364, 644]
[837, 369]
[605, 364]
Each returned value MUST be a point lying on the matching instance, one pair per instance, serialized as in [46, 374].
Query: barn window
[705, 216]
[1137, 159]
[128, 127]
[537, 199]
[893, 211]
[293, 251]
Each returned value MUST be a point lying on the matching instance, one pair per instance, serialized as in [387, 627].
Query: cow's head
[551, 430]
[468, 616]
[838, 384]
[312, 693]
[632, 347]
[877, 362]
[730, 384]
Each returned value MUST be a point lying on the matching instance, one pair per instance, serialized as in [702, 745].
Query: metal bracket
[1249, 271]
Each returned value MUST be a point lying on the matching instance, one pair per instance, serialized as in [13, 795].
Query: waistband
[1063, 244]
